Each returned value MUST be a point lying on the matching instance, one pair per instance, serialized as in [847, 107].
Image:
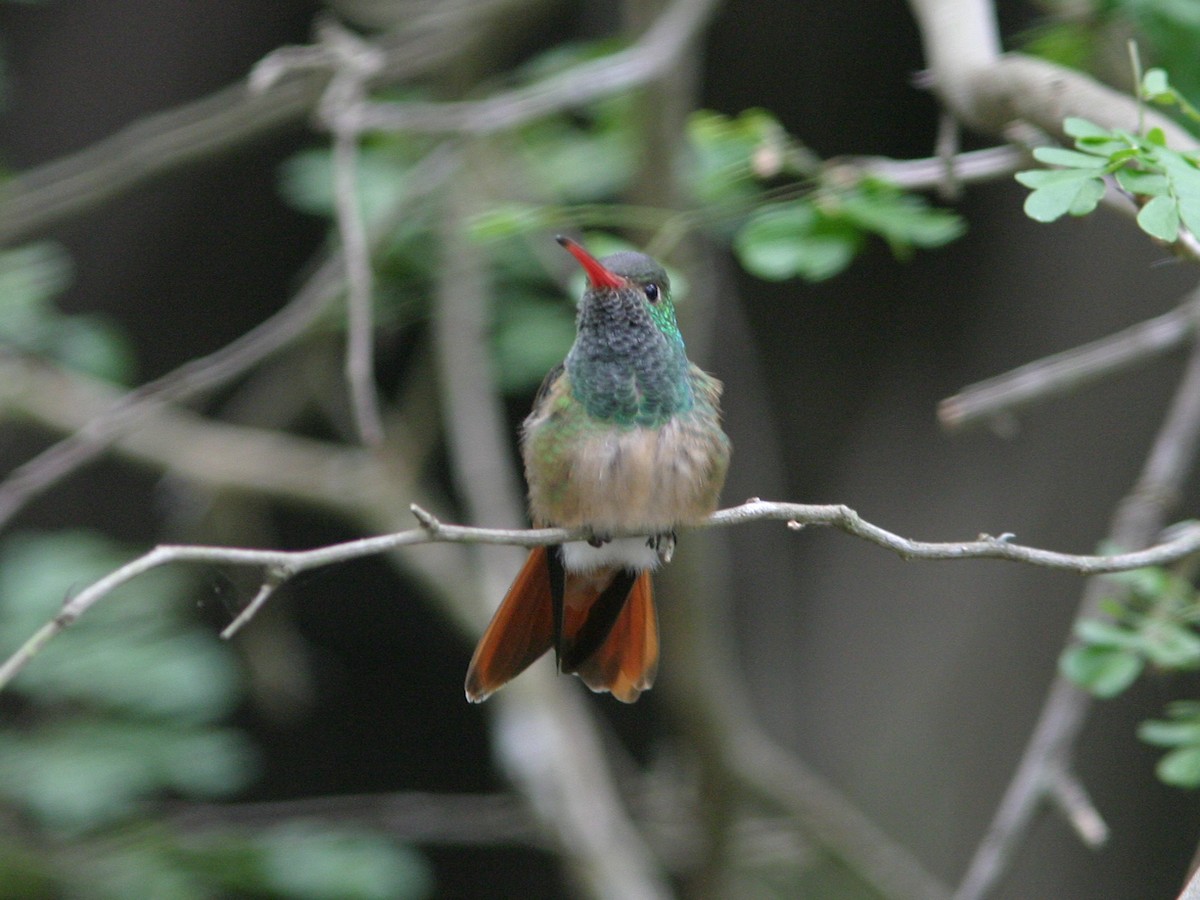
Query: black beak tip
[562, 239]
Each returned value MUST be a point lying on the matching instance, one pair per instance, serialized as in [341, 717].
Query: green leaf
[1189, 212]
[381, 178]
[1147, 583]
[88, 771]
[1071, 159]
[1091, 192]
[1104, 671]
[1101, 633]
[1039, 178]
[792, 240]
[136, 869]
[30, 276]
[1170, 734]
[1160, 218]
[1083, 129]
[531, 337]
[1073, 192]
[314, 860]
[1155, 85]
[903, 220]
[1067, 42]
[1136, 181]
[184, 675]
[1170, 645]
[91, 345]
[724, 152]
[577, 165]
[1180, 768]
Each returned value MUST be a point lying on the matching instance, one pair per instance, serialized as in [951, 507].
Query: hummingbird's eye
[651, 290]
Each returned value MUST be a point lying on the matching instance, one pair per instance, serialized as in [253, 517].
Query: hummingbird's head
[629, 274]
[627, 364]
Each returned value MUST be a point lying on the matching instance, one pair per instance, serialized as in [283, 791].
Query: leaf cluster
[1164, 183]
[793, 216]
[1153, 624]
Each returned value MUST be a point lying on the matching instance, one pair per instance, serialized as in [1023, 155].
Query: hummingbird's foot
[599, 540]
[663, 545]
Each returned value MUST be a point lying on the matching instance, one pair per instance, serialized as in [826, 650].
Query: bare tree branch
[1072, 369]
[968, 167]
[989, 90]
[994, 92]
[779, 779]
[1072, 799]
[191, 379]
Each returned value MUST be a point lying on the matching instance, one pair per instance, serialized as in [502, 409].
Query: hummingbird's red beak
[599, 276]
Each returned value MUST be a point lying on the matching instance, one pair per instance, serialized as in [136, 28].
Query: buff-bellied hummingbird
[625, 436]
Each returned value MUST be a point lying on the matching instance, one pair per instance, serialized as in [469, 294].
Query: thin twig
[1048, 753]
[1072, 369]
[270, 583]
[654, 54]
[285, 564]
[356, 63]
[413, 817]
[1072, 799]
[968, 167]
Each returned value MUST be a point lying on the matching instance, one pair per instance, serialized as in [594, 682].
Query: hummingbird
[625, 436]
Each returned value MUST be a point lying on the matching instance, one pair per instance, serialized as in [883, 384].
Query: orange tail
[602, 625]
[627, 660]
[521, 630]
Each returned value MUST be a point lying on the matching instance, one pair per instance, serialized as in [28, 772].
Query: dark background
[912, 686]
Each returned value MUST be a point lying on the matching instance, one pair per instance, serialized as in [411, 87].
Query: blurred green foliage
[127, 706]
[31, 277]
[1152, 622]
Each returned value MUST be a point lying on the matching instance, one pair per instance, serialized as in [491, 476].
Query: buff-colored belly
[635, 478]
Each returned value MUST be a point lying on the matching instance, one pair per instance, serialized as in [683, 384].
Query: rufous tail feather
[521, 630]
[626, 663]
[602, 625]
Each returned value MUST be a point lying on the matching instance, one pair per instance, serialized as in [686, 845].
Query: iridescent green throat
[628, 365]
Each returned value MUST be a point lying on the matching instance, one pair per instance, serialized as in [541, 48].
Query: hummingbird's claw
[663, 545]
[599, 540]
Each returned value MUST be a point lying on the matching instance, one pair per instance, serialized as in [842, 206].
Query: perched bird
[625, 436]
